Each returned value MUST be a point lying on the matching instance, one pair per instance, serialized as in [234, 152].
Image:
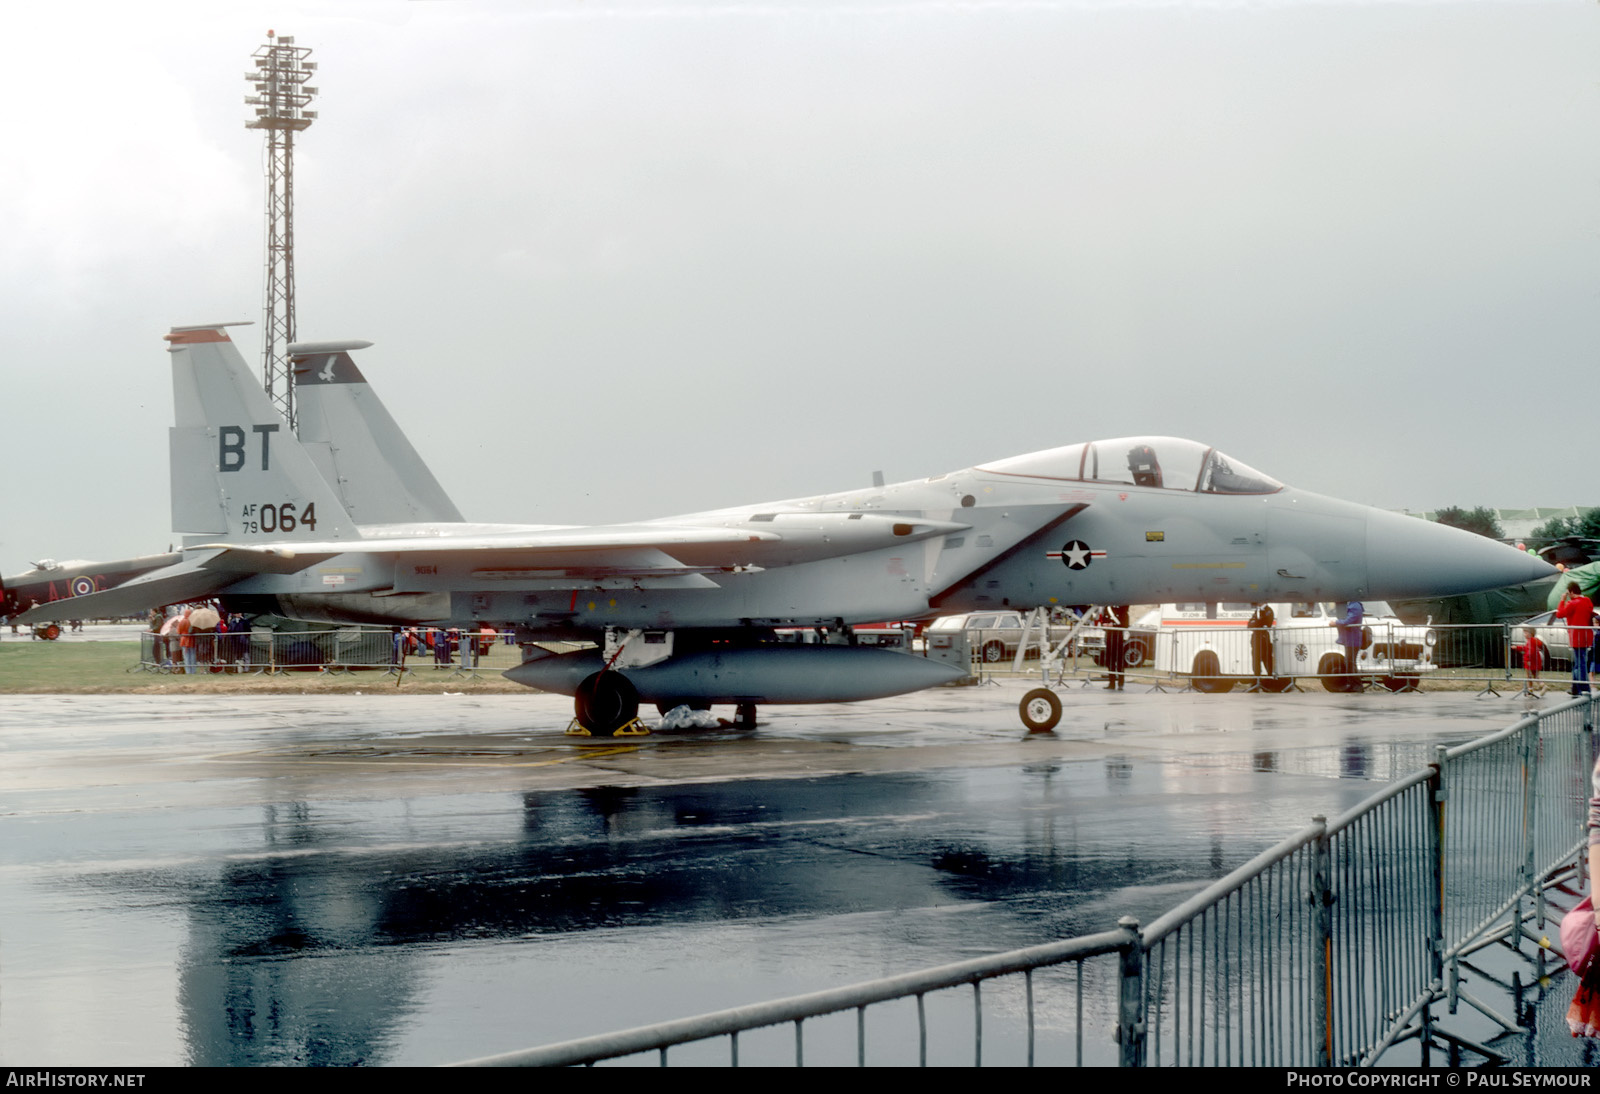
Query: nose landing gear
[1040, 710]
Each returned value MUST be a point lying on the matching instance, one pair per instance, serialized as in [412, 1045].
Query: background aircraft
[349, 526]
[50, 581]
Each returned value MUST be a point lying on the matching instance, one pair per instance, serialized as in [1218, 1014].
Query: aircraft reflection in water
[322, 949]
[346, 524]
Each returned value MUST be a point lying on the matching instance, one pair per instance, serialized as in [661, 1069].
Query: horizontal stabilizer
[172, 585]
[236, 558]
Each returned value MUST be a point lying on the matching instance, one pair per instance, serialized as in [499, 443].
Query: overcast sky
[624, 260]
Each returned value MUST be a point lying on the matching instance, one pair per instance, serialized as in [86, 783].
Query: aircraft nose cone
[1408, 557]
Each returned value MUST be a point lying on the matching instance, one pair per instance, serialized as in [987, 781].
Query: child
[1532, 659]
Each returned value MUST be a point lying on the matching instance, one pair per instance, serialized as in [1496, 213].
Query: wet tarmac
[348, 879]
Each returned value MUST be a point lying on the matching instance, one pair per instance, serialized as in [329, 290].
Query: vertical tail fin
[358, 447]
[237, 471]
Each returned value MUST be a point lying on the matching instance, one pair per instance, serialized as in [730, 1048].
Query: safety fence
[1213, 658]
[337, 649]
[1393, 656]
[1328, 949]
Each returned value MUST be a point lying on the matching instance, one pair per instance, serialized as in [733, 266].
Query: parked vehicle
[1212, 644]
[891, 636]
[992, 636]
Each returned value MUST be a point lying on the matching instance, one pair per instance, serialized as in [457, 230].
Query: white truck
[1211, 644]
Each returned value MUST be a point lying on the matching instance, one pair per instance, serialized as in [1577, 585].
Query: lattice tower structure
[280, 97]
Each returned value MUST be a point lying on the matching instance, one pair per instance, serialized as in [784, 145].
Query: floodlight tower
[280, 100]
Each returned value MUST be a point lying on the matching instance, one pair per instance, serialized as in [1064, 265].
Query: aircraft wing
[532, 543]
[780, 539]
[186, 580]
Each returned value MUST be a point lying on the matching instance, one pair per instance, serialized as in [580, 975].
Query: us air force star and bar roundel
[1076, 554]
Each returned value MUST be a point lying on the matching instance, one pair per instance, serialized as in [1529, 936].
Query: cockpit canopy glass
[1167, 463]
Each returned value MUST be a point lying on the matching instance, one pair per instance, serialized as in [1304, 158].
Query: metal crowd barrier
[1205, 658]
[336, 650]
[1328, 949]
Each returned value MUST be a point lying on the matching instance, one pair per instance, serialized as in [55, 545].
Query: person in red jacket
[1578, 611]
[1532, 659]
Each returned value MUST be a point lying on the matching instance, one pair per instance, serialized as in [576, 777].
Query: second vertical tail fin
[358, 447]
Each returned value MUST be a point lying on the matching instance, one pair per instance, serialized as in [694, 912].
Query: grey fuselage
[1144, 545]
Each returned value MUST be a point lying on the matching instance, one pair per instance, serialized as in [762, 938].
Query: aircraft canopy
[1168, 463]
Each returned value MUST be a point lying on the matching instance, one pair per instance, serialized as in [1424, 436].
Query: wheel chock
[631, 728]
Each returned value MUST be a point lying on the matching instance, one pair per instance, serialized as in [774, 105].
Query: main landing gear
[607, 705]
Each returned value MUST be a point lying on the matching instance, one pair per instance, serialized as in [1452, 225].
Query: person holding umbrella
[185, 631]
[203, 621]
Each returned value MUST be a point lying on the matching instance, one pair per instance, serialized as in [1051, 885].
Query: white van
[1212, 644]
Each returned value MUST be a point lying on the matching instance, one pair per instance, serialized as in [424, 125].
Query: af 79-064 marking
[269, 518]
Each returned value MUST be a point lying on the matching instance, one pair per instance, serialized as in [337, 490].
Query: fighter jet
[345, 524]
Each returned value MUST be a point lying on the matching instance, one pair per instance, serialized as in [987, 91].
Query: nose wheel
[1040, 710]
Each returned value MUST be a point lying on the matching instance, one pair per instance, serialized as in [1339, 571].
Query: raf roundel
[82, 586]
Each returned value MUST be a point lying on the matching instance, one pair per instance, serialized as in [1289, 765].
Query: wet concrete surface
[383, 879]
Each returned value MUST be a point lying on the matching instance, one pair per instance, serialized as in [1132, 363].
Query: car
[992, 637]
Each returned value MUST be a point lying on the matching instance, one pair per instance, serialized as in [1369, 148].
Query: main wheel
[605, 702]
[993, 651]
[1040, 710]
[1208, 674]
[744, 716]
